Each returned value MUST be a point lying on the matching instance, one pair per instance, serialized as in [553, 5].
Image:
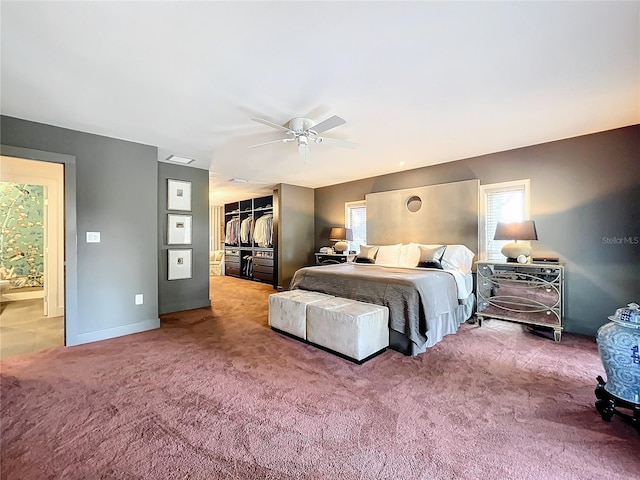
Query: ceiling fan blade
[327, 124]
[270, 124]
[282, 140]
[337, 142]
[303, 151]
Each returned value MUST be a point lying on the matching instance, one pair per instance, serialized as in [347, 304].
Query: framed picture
[179, 264]
[178, 229]
[179, 195]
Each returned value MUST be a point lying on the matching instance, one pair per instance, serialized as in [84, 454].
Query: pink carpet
[215, 394]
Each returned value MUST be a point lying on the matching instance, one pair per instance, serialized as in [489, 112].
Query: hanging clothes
[263, 230]
[232, 230]
[247, 266]
[246, 230]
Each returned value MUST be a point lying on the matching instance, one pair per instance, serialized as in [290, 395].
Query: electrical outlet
[139, 299]
[93, 237]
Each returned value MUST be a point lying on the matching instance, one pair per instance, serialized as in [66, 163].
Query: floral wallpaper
[22, 234]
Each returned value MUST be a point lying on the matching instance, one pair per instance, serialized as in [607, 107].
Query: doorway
[31, 256]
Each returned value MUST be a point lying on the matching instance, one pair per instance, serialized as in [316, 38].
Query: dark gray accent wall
[116, 195]
[184, 294]
[585, 200]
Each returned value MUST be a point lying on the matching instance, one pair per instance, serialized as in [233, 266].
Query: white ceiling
[418, 82]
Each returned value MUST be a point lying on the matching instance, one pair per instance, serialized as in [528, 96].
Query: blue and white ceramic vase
[619, 344]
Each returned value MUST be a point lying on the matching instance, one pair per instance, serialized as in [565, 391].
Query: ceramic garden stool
[618, 344]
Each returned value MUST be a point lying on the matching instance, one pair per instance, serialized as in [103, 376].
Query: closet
[268, 238]
[249, 239]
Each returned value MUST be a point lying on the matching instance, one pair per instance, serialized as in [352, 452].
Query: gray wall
[116, 195]
[585, 199]
[184, 294]
[294, 220]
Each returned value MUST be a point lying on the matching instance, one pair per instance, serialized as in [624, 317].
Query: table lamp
[339, 235]
[516, 252]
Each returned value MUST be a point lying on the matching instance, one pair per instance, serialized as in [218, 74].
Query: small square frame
[179, 264]
[178, 195]
[179, 229]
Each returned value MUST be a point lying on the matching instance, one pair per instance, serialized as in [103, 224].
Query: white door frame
[70, 231]
[51, 177]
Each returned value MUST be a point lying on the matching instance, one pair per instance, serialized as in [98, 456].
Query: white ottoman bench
[288, 310]
[353, 329]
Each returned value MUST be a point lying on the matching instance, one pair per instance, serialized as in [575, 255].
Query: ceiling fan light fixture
[179, 159]
[304, 130]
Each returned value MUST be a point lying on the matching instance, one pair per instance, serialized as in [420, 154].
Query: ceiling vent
[180, 160]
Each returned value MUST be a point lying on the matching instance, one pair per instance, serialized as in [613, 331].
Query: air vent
[180, 160]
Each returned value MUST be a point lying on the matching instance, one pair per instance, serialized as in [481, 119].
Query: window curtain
[217, 228]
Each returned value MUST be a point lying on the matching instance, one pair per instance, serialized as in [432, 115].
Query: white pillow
[458, 256]
[409, 255]
[388, 254]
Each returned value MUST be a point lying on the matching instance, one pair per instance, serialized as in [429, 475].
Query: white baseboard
[114, 332]
[17, 296]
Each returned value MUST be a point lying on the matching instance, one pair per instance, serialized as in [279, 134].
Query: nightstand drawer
[328, 259]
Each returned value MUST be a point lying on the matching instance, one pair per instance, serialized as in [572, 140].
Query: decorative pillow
[364, 260]
[431, 257]
[409, 255]
[367, 254]
[434, 264]
[388, 254]
[458, 256]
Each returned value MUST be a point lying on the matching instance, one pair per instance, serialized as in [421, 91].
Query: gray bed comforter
[412, 296]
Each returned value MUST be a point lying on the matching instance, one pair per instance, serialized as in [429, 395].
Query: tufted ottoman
[353, 329]
[288, 310]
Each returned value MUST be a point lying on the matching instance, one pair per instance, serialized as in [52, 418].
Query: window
[500, 202]
[355, 218]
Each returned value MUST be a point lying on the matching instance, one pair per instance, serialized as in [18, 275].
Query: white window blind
[355, 215]
[501, 202]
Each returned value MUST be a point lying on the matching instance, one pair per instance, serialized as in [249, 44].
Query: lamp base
[341, 247]
[519, 259]
[514, 250]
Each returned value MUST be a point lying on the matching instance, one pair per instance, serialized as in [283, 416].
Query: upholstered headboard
[446, 213]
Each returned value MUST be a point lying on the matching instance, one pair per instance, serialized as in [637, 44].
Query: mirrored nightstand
[329, 258]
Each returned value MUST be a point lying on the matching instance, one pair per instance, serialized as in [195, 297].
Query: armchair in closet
[216, 262]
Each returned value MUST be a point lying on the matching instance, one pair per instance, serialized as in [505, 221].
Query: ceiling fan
[304, 130]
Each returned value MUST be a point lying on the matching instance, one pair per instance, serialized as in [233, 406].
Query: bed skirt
[446, 324]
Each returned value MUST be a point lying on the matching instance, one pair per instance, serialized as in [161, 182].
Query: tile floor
[23, 328]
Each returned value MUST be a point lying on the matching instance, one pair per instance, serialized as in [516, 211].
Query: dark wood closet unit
[249, 240]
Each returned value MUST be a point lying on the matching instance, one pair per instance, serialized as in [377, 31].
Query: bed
[425, 304]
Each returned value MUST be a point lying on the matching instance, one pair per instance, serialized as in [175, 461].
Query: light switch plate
[139, 299]
[93, 237]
